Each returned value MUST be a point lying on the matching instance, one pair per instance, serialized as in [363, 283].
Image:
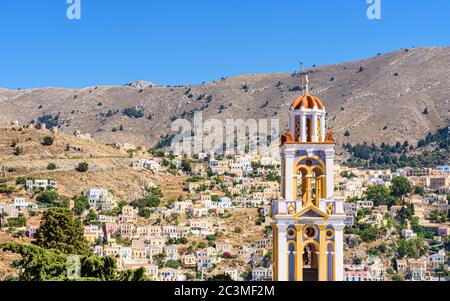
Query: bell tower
[308, 222]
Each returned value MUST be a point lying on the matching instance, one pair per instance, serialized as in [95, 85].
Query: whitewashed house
[31, 185]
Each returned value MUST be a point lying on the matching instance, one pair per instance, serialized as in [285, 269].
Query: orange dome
[308, 102]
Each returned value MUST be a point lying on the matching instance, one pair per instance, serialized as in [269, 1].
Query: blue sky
[191, 41]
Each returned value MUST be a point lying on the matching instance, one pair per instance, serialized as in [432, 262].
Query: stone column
[318, 190]
[339, 252]
[283, 175]
[329, 162]
[322, 127]
[292, 123]
[308, 189]
[289, 173]
[303, 128]
[282, 255]
[314, 128]
[295, 185]
[323, 186]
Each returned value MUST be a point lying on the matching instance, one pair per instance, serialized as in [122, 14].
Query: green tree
[419, 190]
[144, 212]
[412, 248]
[441, 271]
[360, 215]
[38, 264]
[401, 187]
[51, 166]
[42, 264]
[91, 217]
[81, 203]
[220, 277]
[61, 231]
[182, 240]
[133, 275]
[406, 214]
[247, 275]
[48, 197]
[48, 141]
[369, 234]
[18, 222]
[397, 277]
[211, 237]
[347, 175]
[6, 189]
[186, 166]
[102, 268]
[379, 194]
[18, 150]
[82, 167]
[174, 264]
[438, 217]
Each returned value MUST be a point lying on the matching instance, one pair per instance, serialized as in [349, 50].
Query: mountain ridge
[378, 99]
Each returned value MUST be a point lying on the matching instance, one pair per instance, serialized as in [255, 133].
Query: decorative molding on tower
[308, 221]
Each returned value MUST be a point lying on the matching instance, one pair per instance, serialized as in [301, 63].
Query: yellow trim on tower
[313, 208]
[323, 186]
[322, 163]
[299, 254]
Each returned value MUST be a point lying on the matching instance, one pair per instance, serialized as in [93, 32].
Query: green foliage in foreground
[39, 264]
[60, 230]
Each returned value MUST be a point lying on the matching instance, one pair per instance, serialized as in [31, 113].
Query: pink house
[10, 211]
[395, 210]
[110, 228]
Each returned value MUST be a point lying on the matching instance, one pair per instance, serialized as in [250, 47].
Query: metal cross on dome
[304, 78]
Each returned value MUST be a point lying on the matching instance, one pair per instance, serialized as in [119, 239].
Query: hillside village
[195, 218]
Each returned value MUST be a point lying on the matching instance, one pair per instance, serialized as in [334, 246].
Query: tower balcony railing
[283, 207]
[333, 206]
[330, 206]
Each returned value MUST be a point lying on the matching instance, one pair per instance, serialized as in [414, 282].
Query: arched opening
[319, 185]
[331, 262]
[291, 260]
[311, 262]
[309, 185]
[300, 184]
[309, 182]
[309, 129]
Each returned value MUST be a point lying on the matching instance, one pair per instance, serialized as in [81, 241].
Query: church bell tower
[308, 222]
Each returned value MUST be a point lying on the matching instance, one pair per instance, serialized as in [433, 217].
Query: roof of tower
[307, 101]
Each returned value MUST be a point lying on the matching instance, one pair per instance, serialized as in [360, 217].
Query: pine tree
[60, 230]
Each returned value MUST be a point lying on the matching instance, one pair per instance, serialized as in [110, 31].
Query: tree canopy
[379, 194]
[401, 186]
[60, 230]
[41, 264]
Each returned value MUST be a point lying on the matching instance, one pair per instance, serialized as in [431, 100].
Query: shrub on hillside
[82, 167]
[48, 141]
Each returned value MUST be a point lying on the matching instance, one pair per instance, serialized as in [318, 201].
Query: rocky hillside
[109, 168]
[391, 97]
